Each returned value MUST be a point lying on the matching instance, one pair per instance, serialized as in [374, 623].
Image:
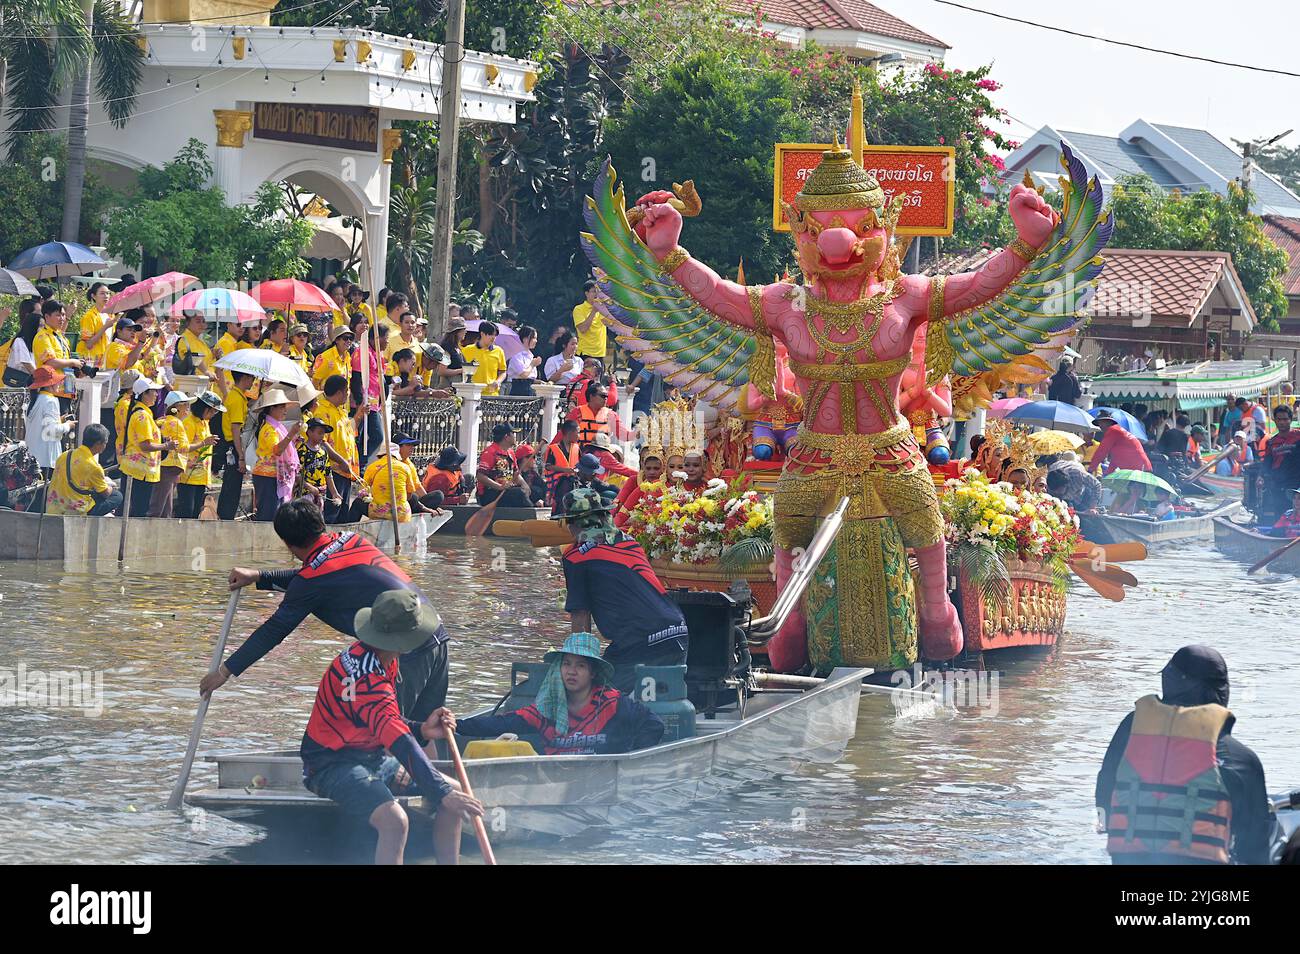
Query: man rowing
[611, 583]
[341, 573]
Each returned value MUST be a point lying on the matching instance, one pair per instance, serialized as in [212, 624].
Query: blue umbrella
[1125, 420]
[1056, 415]
[57, 260]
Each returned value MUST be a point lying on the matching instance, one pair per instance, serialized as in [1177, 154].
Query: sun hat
[587, 646]
[273, 397]
[339, 331]
[399, 439]
[590, 463]
[455, 323]
[436, 353]
[601, 440]
[212, 400]
[176, 397]
[449, 458]
[299, 330]
[398, 622]
[317, 422]
[304, 394]
[143, 384]
[44, 377]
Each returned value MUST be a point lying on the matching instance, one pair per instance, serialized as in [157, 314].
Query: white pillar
[974, 426]
[550, 395]
[91, 392]
[625, 415]
[467, 440]
[227, 157]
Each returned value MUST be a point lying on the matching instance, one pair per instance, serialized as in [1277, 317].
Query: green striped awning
[1200, 403]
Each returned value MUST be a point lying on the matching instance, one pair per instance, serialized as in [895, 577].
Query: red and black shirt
[344, 573]
[616, 584]
[609, 722]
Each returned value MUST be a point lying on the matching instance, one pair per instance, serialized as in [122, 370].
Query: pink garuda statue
[849, 328]
[924, 403]
[774, 420]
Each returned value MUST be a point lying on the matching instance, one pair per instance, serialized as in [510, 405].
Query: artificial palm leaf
[982, 566]
[745, 554]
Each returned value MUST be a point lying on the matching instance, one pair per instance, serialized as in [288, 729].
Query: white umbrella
[265, 364]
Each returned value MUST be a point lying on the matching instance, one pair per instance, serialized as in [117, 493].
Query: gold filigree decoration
[762, 366]
[674, 260]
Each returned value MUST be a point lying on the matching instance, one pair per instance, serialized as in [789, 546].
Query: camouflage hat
[581, 503]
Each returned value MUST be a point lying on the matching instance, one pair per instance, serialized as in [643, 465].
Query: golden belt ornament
[852, 453]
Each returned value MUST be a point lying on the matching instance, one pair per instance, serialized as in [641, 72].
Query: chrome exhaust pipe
[764, 628]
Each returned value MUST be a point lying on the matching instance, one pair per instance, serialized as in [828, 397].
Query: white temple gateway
[313, 106]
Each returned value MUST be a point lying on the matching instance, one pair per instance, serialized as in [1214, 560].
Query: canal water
[1007, 781]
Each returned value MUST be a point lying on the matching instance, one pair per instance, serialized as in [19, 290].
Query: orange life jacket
[591, 423]
[558, 458]
[1169, 796]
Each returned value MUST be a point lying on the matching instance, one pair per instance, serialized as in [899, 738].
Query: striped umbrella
[149, 291]
[220, 304]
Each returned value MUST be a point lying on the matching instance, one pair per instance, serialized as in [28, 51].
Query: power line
[1124, 43]
[135, 30]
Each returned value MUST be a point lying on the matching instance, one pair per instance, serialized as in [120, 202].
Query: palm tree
[49, 46]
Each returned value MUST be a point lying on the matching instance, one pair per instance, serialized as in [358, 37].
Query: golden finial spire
[740, 271]
[857, 132]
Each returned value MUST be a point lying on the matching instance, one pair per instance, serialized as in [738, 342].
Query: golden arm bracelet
[674, 260]
[1023, 249]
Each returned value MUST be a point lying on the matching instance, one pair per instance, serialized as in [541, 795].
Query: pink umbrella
[508, 339]
[290, 294]
[220, 304]
[149, 291]
[1004, 406]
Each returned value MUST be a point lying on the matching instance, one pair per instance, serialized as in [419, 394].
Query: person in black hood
[1143, 764]
[1064, 385]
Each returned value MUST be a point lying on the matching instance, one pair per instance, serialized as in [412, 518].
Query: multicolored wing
[1047, 299]
[655, 318]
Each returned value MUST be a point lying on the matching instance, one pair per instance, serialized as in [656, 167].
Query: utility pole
[1247, 164]
[444, 214]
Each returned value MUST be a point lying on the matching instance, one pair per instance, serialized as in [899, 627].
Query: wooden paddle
[477, 525]
[126, 518]
[1104, 587]
[218, 652]
[1112, 574]
[480, 831]
[542, 533]
[1272, 556]
[1111, 552]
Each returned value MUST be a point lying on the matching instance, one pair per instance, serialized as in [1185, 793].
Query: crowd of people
[158, 451]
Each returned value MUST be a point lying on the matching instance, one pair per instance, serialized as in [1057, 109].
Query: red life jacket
[1169, 796]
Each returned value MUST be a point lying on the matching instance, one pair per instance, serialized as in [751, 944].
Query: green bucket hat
[398, 622]
[587, 646]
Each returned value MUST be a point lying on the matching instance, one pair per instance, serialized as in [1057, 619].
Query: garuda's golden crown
[839, 183]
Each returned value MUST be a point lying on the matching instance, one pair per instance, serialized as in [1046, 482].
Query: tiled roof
[1226, 161]
[1285, 233]
[857, 15]
[1162, 284]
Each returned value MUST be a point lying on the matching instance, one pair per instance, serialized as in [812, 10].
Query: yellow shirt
[344, 436]
[267, 441]
[190, 343]
[198, 472]
[119, 420]
[405, 482]
[173, 429]
[116, 356]
[140, 430]
[340, 317]
[91, 322]
[50, 344]
[329, 363]
[226, 344]
[236, 412]
[591, 343]
[87, 475]
[491, 363]
[150, 362]
[395, 344]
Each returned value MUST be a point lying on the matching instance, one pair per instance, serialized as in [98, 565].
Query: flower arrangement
[724, 522]
[986, 523]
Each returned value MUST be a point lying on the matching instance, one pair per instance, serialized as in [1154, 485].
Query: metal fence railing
[13, 411]
[434, 424]
[524, 414]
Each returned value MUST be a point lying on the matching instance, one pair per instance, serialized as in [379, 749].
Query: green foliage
[1148, 217]
[32, 185]
[715, 125]
[513, 27]
[189, 227]
[1282, 162]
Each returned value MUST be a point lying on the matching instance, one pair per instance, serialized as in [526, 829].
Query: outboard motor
[717, 662]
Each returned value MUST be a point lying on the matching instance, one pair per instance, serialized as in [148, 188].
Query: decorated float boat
[1115, 528]
[1031, 615]
[1245, 545]
[460, 516]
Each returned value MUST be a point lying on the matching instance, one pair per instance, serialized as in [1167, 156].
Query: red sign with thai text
[922, 175]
